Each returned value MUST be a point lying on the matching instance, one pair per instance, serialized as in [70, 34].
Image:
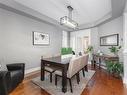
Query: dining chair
[84, 63]
[49, 68]
[73, 69]
[73, 52]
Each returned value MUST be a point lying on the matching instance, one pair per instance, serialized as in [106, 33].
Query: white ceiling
[85, 11]
[88, 13]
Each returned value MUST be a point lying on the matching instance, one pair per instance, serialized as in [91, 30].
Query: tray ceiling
[85, 11]
[88, 13]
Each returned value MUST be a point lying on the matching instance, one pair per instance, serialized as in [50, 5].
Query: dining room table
[62, 63]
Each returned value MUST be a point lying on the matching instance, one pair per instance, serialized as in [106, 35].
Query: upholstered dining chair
[84, 63]
[48, 68]
[73, 69]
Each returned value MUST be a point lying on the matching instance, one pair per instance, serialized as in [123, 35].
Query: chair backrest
[84, 60]
[73, 52]
[74, 66]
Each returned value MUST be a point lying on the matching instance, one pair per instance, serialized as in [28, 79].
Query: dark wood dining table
[60, 62]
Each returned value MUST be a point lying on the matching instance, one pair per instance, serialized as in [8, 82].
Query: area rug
[56, 90]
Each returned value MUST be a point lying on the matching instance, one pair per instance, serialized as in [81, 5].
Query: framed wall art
[40, 38]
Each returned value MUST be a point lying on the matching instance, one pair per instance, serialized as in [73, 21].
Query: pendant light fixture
[67, 20]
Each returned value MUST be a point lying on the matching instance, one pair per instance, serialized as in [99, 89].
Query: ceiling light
[67, 21]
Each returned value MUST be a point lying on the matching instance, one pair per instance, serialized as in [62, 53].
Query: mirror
[110, 40]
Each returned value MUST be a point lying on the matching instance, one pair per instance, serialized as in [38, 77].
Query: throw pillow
[3, 66]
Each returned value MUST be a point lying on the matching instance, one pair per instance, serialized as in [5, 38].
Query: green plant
[65, 51]
[116, 68]
[114, 49]
[69, 50]
[89, 49]
[109, 66]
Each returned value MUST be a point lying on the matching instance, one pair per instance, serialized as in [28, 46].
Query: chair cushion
[50, 68]
[58, 72]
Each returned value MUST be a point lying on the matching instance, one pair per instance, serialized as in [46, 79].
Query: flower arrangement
[89, 49]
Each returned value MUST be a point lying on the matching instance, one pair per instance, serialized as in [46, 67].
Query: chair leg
[86, 68]
[70, 85]
[95, 64]
[56, 80]
[51, 77]
[78, 78]
[83, 72]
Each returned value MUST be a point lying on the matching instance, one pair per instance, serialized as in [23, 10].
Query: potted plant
[115, 50]
[115, 68]
[89, 49]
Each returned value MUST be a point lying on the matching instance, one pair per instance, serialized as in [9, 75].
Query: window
[80, 40]
[64, 39]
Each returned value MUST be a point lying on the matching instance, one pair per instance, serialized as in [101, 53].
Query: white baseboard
[32, 70]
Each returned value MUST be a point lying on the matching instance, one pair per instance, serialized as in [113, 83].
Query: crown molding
[94, 24]
[11, 5]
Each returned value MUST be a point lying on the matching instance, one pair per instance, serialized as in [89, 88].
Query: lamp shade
[68, 22]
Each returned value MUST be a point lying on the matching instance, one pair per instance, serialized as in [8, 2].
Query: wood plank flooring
[100, 84]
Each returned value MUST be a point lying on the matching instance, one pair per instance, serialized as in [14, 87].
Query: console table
[103, 57]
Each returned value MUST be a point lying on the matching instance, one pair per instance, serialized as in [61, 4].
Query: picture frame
[40, 38]
[109, 40]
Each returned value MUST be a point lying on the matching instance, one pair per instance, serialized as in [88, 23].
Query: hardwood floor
[100, 84]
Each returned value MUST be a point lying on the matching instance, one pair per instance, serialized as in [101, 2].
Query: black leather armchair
[10, 79]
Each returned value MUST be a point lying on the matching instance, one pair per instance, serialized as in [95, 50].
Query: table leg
[99, 63]
[86, 68]
[64, 79]
[93, 62]
[42, 71]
